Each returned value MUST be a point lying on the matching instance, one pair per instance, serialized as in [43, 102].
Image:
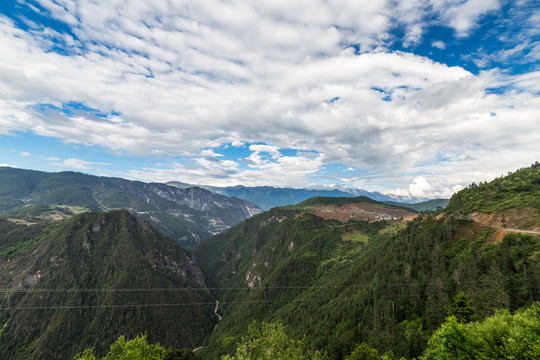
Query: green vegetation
[136, 349]
[187, 215]
[32, 214]
[391, 292]
[16, 239]
[363, 352]
[517, 190]
[270, 342]
[500, 336]
[80, 283]
[339, 201]
[430, 205]
[355, 236]
[139, 349]
[462, 309]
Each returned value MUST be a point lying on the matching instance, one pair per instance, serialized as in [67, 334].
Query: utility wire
[46, 290]
[222, 303]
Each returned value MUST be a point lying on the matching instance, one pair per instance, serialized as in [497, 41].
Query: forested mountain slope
[84, 282]
[342, 281]
[430, 205]
[511, 201]
[188, 215]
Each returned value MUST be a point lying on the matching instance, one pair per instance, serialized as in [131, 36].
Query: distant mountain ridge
[428, 205]
[188, 215]
[268, 197]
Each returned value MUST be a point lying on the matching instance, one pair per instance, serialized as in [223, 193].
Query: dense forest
[344, 284]
[390, 292]
[516, 190]
[83, 282]
[295, 282]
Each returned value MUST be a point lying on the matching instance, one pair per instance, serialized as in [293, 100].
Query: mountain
[328, 271]
[429, 205]
[512, 201]
[85, 281]
[341, 273]
[268, 197]
[188, 215]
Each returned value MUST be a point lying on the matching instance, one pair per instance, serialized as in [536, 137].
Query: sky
[407, 97]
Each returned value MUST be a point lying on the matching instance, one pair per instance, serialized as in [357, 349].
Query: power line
[222, 303]
[369, 286]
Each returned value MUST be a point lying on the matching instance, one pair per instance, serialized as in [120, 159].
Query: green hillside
[516, 190]
[430, 205]
[188, 215]
[342, 275]
[83, 282]
[345, 283]
[339, 201]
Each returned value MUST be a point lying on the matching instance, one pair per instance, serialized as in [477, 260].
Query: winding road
[518, 230]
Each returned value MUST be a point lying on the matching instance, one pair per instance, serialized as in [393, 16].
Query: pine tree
[462, 309]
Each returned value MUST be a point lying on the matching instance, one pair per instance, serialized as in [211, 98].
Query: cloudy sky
[411, 97]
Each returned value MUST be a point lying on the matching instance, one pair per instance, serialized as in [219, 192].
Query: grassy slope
[430, 205]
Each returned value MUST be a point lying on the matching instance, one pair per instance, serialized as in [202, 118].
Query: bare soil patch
[526, 218]
[358, 211]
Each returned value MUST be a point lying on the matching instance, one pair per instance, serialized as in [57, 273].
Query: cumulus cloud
[419, 188]
[278, 170]
[439, 44]
[463, 15]
[164, 79]
[77, 164]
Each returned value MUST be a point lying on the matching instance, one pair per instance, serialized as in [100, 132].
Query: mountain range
[330, 272]
[268, 197]
[341, 273]
[188, 215]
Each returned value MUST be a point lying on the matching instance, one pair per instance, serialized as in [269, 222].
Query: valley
[188, 215]
[339, 273]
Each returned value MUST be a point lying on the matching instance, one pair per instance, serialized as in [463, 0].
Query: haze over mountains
[268, 197]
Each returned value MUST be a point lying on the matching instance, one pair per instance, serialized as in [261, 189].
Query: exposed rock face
[219, 212]
[188, 215]
[88, 280]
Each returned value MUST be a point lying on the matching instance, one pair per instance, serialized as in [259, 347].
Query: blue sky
[413, 97]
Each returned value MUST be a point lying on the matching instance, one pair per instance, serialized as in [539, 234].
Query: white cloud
[210, 153]
[276, 170]
[419, 188]
[274, 74]
[25, 153]
[77, 164]
[439, 44]
[50, 158]
[463, 15]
